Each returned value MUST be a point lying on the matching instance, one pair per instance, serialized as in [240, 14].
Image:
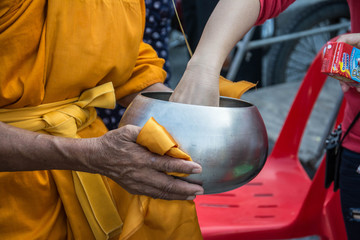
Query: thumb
[344, 86]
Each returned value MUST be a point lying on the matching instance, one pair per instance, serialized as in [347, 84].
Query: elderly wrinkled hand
[354, 40]
[140, 171]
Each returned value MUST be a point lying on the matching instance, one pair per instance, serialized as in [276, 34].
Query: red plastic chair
[282, 202]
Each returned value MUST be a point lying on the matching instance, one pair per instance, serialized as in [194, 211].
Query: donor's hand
[354, 40]
[199, 86]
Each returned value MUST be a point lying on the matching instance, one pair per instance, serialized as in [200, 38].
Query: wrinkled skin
[115, 155]
[141, 172]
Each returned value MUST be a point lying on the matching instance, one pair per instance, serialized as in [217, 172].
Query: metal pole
[292, 36]
[244, 45]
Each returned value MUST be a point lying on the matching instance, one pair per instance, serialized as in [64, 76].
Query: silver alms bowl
[229, 142]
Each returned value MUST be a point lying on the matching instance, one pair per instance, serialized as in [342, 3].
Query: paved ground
[274, 103]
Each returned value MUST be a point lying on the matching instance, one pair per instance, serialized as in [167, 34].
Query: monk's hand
[354, 40]
[199, 85]
[140, 171]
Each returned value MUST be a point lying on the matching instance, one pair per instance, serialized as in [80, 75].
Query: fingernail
[197, 170]
[199, 193]
[191, 198]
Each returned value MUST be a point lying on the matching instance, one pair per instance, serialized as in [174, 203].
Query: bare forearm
[227, 25]
[115, 155]
[22, 150]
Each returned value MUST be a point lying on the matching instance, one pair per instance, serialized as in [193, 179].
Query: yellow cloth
[65, 119]
[157, 139]
[91, 189]
[53, 51]
[234, 89]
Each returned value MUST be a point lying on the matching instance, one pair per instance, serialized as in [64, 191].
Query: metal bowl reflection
[229, 142]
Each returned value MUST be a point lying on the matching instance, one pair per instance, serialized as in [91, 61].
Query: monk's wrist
[75, 154]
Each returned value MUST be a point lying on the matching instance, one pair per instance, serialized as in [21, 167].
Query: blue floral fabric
[159, 14]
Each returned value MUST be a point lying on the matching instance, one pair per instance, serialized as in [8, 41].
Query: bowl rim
[146, 93]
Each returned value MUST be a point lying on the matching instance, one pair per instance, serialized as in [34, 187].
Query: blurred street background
[277, 55]
[279, 67]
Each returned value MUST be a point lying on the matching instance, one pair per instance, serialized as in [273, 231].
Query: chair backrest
[288, 144]
[289, 139]
[287, 147]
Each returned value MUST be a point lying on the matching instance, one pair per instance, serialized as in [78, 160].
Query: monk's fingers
[166, 185]
[142, 157]
[169, 164]
[156, 193]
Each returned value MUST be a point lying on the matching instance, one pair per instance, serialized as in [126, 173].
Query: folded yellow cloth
[66, 118]
[157, 139]
[234, 89]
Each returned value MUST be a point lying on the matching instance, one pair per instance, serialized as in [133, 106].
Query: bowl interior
[224, 101]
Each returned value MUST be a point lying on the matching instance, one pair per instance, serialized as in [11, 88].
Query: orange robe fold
[52, 51]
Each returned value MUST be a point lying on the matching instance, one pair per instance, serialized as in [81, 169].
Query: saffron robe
[52, 51]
